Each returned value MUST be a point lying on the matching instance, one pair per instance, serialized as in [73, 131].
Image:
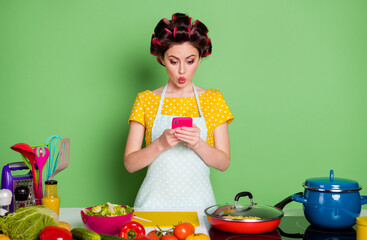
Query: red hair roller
[174, 31]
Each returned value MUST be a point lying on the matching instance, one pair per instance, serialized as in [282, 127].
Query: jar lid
[362, 221]
[332, 184]
[51, 182]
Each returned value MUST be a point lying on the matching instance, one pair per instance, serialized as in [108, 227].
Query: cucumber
[84, 234]
[109, 237]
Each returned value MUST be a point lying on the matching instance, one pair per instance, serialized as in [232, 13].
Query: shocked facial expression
[181, 62]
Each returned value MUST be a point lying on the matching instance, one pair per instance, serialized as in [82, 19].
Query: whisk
[53, 159]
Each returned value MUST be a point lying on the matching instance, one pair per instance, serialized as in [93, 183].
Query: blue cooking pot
[331, 202]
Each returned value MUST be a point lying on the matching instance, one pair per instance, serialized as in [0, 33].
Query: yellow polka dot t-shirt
[213, 106]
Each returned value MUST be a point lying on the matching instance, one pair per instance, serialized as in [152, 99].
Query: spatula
[41, 154]
[64, 155]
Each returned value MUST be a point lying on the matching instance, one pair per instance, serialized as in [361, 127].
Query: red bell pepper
[55, 233]
[131, 230]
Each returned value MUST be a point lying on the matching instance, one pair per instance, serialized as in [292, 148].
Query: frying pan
[252, 218]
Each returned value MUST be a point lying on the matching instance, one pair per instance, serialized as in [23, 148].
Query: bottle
[361, 228]
[50, 199]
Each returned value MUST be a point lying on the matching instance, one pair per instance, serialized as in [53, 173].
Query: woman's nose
[181, 68]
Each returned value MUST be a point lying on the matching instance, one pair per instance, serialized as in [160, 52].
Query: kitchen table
[72, 216]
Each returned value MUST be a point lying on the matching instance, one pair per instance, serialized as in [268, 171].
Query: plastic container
[50, 199]
[361, 228]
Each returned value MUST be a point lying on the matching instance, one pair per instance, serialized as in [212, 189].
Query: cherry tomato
[198, 236]
[145, 237]
[182, 230]
[155, 234]
[169, 237]
[55, 233]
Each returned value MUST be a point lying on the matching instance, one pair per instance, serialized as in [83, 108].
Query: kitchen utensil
[5, 200]
[253, 218]
[105, 225]
[340, 204]
[41, 154]
[64, 155]
[10, 180]
[52, 144]
[142, 219]
[26, 151]
[166, 219]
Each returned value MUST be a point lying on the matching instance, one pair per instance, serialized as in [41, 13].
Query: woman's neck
[175, 91]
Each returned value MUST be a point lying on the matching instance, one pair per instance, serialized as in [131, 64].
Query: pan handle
[289, 199]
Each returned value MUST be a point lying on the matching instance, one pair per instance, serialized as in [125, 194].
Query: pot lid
[252, 212]
[332, 184]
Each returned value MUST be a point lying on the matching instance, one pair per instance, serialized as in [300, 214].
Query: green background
[292, 72]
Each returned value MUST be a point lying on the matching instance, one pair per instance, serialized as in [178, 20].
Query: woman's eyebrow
[192, 55]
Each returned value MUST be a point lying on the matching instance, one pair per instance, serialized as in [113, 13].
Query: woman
[178, 159]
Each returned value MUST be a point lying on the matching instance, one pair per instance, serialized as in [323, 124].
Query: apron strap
[197, 100]
[164, 94]
[162, 100]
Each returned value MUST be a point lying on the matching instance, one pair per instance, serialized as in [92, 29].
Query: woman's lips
[181, 80]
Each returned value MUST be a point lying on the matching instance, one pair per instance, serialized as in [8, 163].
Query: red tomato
[169, 237]
[55, 233]
[182, 230]
[145, 237]
[155, 234]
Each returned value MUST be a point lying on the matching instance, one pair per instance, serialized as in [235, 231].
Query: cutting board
[167, 219]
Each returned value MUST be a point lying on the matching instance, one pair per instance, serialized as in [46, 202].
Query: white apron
[178, 178]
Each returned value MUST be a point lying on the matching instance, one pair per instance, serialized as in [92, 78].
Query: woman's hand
[189, 135]
[168, 139]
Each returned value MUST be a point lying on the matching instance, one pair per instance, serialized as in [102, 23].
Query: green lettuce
[27, 223]
[108, 209]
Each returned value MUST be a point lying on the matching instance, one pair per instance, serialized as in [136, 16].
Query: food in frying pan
[240, 217]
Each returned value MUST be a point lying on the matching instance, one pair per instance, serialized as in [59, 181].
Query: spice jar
[50, 199]
[361, 228]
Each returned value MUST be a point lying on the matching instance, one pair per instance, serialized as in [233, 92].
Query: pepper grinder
[21, 194]
[5, 200]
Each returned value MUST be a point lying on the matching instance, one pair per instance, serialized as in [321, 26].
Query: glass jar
[50, 199]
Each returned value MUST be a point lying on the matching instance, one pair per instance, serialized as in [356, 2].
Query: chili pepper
[131, 230]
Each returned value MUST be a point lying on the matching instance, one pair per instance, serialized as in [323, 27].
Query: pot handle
[363, 200]
[299, 198]
[284, 202]
[243, 194]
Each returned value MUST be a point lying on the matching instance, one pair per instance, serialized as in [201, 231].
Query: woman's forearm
[137, 160]
[212, 157]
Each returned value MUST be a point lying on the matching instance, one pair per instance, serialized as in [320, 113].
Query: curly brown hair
[178, 30]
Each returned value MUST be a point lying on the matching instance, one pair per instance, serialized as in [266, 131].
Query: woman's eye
[190, 62]
[173, 62]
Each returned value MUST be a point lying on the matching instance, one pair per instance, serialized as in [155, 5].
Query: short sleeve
[221, 110]
[138, 110]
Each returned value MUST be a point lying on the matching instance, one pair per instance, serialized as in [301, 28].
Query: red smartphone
[181, 122]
